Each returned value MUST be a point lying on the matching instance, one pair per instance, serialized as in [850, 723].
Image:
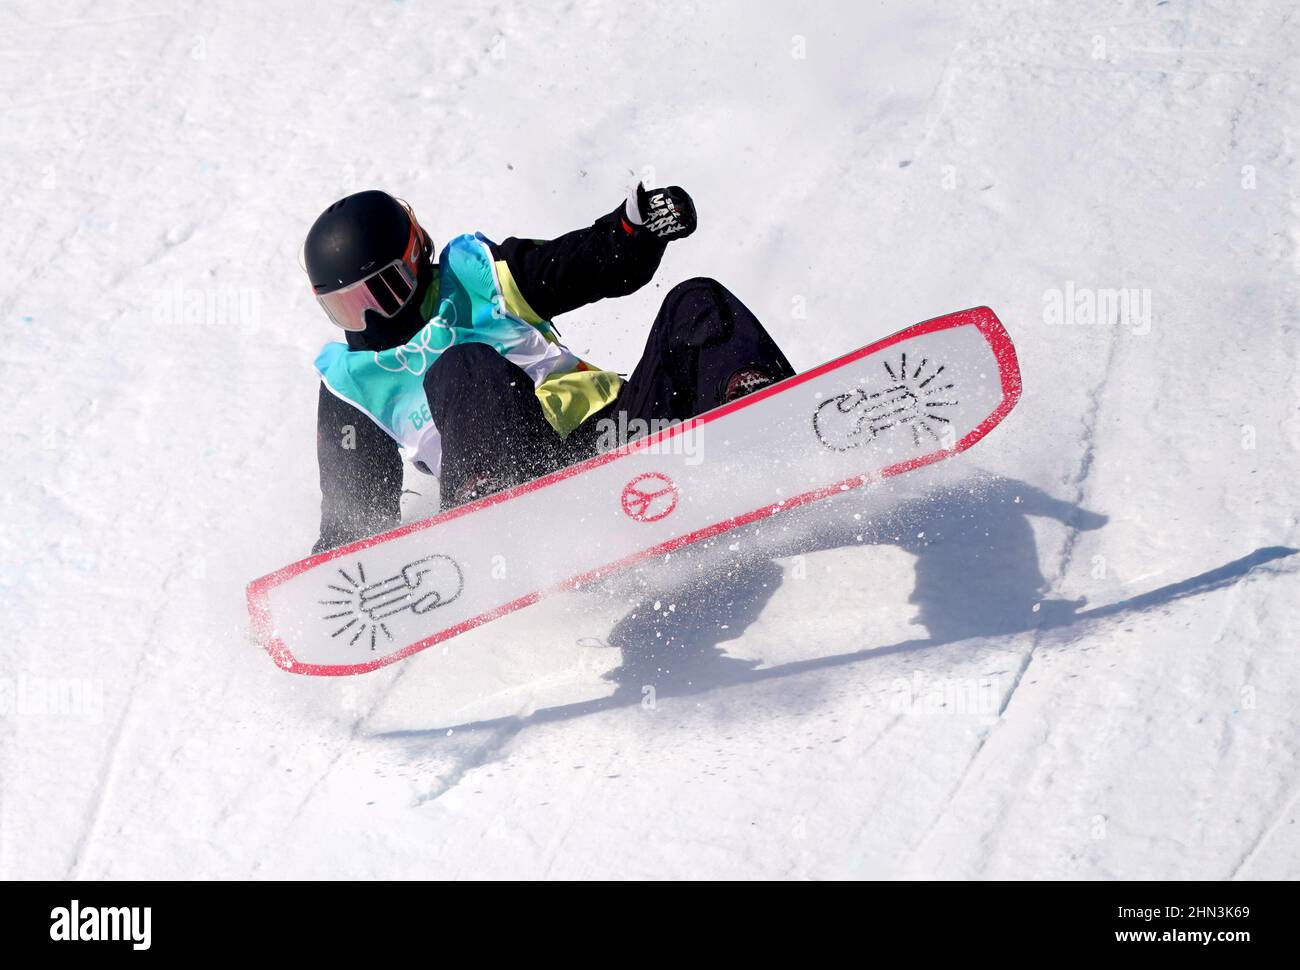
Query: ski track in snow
[918, 160]
[1095, 400]
[1283, 815]
[85, 841]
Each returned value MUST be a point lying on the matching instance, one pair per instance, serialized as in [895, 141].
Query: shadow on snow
[977, 575]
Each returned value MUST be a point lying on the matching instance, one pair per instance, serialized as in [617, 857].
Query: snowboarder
[455, 363]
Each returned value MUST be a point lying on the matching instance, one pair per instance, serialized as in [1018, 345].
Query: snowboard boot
[747, 380]
[475, 487]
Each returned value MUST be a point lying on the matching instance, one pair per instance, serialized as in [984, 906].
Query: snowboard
[924, 394]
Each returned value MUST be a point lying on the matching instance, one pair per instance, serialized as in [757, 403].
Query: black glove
[667, 213]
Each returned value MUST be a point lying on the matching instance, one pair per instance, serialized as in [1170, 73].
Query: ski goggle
[385, 291]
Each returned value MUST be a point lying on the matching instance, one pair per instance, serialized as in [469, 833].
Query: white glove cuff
[633, 208]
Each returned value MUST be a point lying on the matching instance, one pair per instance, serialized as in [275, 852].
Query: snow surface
[913, 692]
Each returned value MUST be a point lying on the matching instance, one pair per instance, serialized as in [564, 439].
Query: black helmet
[366, 256]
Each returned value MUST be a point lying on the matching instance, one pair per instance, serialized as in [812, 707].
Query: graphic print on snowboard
[854, 421]
[907, 400]
[419, 586]
[649, 497]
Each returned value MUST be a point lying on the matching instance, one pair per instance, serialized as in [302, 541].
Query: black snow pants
[492, 423]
